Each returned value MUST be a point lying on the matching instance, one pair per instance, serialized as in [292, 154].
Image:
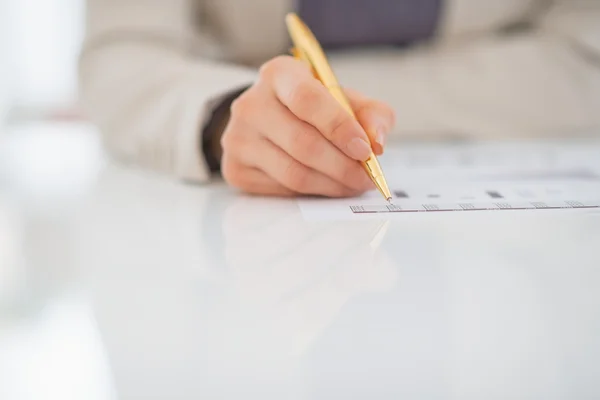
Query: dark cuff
[213, 129]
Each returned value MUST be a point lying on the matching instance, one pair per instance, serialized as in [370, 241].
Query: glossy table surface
[117, 283]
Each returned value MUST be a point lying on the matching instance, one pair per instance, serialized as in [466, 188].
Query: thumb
[376, 118]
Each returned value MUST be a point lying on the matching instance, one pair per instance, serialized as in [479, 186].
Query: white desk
[119, 284]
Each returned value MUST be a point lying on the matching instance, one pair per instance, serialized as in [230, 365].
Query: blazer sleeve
[525, 72]
[143, 89]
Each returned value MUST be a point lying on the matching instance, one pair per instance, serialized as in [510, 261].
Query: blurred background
[39, 45]
[47, 159]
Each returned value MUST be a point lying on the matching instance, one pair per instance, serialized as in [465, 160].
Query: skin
[287, 136]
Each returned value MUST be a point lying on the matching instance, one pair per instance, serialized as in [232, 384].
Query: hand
[288, 136]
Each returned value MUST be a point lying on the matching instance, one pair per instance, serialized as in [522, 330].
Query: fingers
[305, 144]
[377, 118]
[253, 181]
[291, 174]
[309, 100]
[237, 141]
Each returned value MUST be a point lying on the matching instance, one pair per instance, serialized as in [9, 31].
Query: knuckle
[229, 139]
[241, 106]
[376, 110]
[339, 123]
[362, 110]
[297, 145]
[306, 144]
[271, 68]
[266, 70]
[387, 112]
[297, 177]
[235, 139]
[314, 145]
[302, 96]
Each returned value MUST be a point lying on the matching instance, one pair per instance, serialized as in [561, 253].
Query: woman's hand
[288, 136]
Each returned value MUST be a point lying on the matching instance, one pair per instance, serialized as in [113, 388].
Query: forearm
[151, 104]
[140, 85]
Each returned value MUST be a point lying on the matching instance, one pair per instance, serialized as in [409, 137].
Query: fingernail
[359, 149]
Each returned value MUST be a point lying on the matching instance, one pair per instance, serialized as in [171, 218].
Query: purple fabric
[342, 23]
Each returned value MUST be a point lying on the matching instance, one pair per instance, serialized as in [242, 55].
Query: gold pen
[307, 48]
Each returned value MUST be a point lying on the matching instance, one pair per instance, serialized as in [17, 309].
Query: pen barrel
[307, 48]
[371, 166]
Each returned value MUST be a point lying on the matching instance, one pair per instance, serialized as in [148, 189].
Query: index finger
[310, 101]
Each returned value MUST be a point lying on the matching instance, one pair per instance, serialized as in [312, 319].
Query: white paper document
[457, 179]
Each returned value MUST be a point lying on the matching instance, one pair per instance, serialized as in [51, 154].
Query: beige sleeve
[481, 81]
[142, 88]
